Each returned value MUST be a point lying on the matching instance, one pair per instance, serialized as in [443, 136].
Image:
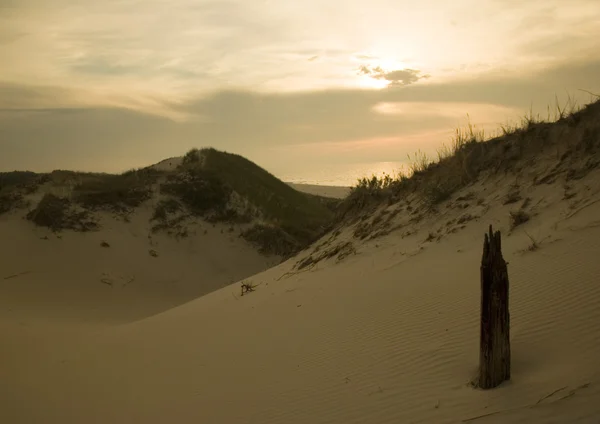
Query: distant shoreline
[337, 192]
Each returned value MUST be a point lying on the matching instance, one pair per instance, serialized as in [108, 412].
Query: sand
[386, 335]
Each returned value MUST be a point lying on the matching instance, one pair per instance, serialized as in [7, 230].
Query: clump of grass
[430, 237]
[248, 287]
[534, 245]
[14, 185]
[367, 191]
[115, 192]
[9, 200]
[200, 190]
[341, 250]
[419, 162]
[437, 191]
[25, 180]
[517, 218]
[164, 208]
[191, 157]
[512, 197]
[57, 213]
[165, 221]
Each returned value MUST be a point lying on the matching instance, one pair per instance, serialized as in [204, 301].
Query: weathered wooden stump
[494, 353]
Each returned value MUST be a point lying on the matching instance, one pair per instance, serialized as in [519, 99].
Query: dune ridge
[375, 322]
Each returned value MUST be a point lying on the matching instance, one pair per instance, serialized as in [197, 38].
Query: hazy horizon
[122, 84]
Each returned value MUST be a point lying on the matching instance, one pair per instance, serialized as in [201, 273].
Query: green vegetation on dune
[57, 213]
[207, 179]
[277, 200]
[14, 185]
[115, 192]
[214, 185]
[301, 216]
[17, 178]
[9, 200]
[201, 191]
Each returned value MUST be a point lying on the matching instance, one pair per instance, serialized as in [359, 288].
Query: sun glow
[366, 81]
[378, 66]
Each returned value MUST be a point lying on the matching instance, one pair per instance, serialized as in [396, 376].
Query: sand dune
[390, 335]
[377, 322]
[335, 192]
[72, 276]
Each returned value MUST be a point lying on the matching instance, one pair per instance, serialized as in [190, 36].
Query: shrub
[517, 218]
[164, 208]
[57, 213]
[115, 192]
[200, 190]
[191, 157]
[9, 200]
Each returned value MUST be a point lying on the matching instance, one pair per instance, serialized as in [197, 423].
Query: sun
[365, 81]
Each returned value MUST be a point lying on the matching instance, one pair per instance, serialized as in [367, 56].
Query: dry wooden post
[494, 353]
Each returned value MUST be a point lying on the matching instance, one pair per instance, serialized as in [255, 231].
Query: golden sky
[114, 84]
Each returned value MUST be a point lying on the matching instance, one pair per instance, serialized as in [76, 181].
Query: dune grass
[15, 185]
[471, 152]
[119, 192]
[58, 213]
[208, 178]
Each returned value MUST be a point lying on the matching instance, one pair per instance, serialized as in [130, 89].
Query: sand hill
[123, 247]
[376, 322]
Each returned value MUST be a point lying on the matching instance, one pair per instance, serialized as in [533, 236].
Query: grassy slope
[575, 135]
[297, 217]
[290, 219]
[277, 200]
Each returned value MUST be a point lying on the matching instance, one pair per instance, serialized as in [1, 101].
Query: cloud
[39, 134]
[395, 78]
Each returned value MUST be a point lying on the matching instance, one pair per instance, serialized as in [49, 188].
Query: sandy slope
[70, 276]
[389, 335]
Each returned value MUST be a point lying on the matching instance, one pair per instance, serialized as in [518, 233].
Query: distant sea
[345, 175]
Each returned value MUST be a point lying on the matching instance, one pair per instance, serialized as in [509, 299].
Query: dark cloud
[18, 96]
[395, 78]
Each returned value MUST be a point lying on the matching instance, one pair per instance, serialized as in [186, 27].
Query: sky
[298, 87]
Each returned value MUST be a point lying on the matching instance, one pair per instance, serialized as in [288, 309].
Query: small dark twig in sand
[551, 394]
[131, 280]
[487, 415]
[538, 403]
[576, 211]
[106, 281]
[16, 275]
[534, 244]
[572, 392]
[289, 273]
[248, 287]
